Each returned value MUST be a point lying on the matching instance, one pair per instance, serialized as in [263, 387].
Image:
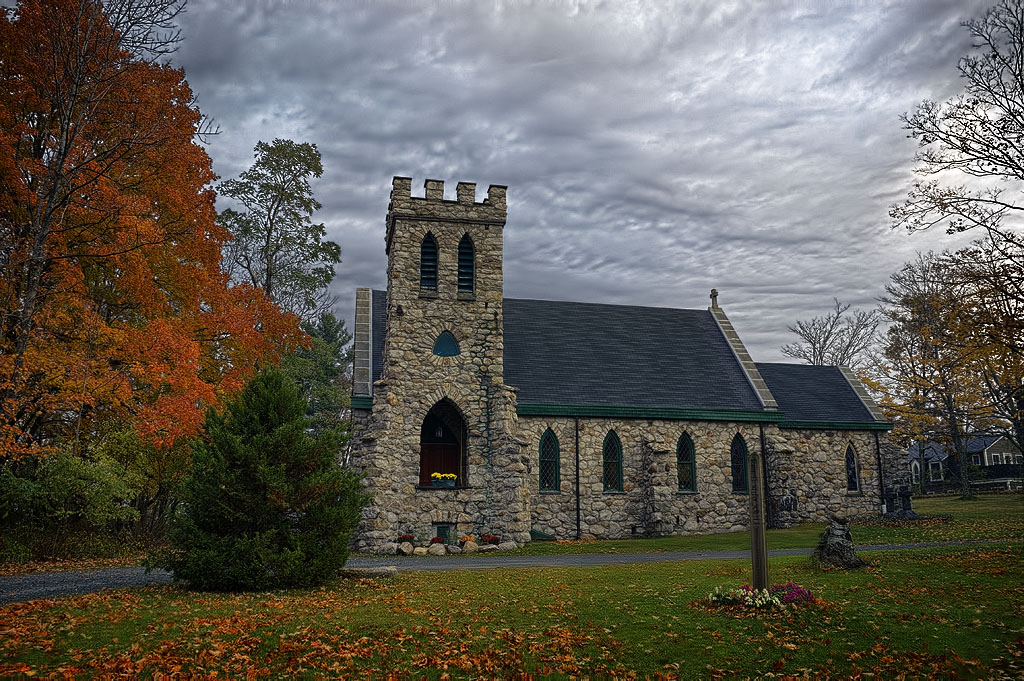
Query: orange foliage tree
[113, 303]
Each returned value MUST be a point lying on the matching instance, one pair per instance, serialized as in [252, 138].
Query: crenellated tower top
[433, 206]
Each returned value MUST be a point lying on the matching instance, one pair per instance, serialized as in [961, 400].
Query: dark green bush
[62, 506]
[266, 505]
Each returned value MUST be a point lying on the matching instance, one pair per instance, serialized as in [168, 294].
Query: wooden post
[758, 549]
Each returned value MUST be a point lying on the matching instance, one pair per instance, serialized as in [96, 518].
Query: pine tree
[266, 505]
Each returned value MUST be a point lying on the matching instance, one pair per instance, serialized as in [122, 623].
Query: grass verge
[943, 612]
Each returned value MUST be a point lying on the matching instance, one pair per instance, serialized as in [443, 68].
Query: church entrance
[443, 445]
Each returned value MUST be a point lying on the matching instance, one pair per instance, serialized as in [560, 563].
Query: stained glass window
[549, 464]
[612, 463]
[685, 465]
[739, 464]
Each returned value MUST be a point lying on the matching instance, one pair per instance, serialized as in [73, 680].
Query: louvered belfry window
[428, 262]
[612, 463]
[549, 473]
[467, 265]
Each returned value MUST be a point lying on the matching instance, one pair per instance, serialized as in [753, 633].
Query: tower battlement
[465, 192]
[433, 207]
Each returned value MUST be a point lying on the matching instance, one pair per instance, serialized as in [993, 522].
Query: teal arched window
[686, 466]
[467, 265]
[549, 463]
[446, 345]
[612, 463]
[428, 262]
[739, 465]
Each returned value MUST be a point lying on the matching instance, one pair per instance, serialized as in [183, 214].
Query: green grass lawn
[950, 611]
[933, 611]
[996, 516]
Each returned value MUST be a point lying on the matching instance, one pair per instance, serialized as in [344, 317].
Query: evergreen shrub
[266, 505]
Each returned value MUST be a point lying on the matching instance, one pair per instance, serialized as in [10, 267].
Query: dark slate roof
[934, 451]
[568, 353]
[621, 355]
[813, 393]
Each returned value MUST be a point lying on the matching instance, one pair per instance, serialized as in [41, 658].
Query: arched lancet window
[915, 472]
[549, 463]
[467, 264]
[686, 466]
[612, 463]
[446, 345]
[852, 470]
[428, 262]
[739, 464]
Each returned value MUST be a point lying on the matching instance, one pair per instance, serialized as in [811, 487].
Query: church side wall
[806, 479]
[807, 475]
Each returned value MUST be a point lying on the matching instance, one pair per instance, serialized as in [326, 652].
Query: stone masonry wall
[807, 475]
[492, 497]
[807, 469]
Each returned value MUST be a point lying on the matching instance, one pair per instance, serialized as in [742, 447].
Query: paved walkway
[56, 584]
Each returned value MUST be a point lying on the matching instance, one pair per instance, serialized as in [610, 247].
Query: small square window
[444, 531]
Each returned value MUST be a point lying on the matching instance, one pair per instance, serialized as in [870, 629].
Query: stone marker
[486, 548]
[507, 546]
[452, 548]
[437, 550]
[470, 547]
[835, 546]
[419, 551]
[405, 548]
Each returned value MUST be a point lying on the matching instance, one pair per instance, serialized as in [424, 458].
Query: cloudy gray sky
[652, 150]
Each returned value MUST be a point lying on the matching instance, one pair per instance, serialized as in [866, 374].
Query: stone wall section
[806, 477]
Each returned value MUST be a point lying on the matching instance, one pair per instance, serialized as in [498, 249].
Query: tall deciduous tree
[932, 381]
[971, 170]
[839, 338]
[992, 326]
[971, 157]
[112, 298]
[276, 245]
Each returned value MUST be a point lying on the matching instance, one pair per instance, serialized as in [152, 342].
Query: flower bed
[775, 597]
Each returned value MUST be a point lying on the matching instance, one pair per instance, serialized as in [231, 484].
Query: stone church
[477, 414]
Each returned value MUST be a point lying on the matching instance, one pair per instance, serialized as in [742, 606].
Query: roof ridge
[618, 305]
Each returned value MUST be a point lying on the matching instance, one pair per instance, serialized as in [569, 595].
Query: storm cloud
[652, 150]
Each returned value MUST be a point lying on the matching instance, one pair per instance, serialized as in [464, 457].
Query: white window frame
[933, 468]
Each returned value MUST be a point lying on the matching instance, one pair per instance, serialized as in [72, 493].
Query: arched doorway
[443, 443]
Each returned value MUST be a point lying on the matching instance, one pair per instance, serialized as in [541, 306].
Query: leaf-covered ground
[940, 612]
[950, 612]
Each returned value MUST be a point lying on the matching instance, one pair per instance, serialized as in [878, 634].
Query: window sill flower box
[443, 479]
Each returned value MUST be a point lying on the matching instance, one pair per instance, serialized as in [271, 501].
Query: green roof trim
[671, 413]
[836, 425]
[361, 402]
